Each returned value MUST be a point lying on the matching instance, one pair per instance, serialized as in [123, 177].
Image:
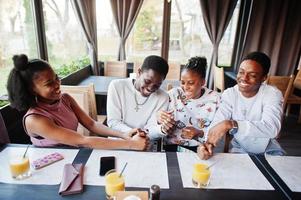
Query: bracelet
[234, 128]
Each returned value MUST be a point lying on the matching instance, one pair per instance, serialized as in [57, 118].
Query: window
[146, 36]
[226, 45]
[188, 34]
[17, 35]
[299, 65]
[189, 37]
[107, 34]
[66, 44]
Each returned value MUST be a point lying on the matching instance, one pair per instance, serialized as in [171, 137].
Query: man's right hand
[205, 151]
[218, 131]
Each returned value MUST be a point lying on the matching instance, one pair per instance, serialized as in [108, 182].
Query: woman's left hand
[189, 132]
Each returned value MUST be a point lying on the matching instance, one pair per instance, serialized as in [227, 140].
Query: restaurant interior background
[174, 29]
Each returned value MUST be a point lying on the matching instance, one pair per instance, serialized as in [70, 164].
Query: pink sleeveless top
[60, 113]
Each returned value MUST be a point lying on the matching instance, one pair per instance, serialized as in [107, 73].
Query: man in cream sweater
[133, 103]
[251, 112]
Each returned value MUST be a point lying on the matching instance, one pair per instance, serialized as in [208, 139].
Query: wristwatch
[234, 128]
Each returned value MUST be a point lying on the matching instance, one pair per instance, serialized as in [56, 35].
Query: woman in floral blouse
[192, 107]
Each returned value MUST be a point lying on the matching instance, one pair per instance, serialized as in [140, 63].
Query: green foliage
[75, 65]
[145, 31]
[3, 103]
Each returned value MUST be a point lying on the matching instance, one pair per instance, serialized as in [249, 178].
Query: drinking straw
[123, 169]
[25, 151]
[211, 165]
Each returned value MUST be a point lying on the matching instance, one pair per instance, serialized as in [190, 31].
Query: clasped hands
[140, 136]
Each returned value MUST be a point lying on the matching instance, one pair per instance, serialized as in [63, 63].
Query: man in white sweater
[134, 103]
[251, 112]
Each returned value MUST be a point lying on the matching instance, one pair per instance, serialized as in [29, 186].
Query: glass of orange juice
[200, 175]
[114, 182]
[19, 167]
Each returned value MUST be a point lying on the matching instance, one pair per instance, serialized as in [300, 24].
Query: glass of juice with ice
[19, 167]
[113, 183]
[200, 175]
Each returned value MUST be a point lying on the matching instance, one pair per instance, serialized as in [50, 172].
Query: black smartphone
[106, 164]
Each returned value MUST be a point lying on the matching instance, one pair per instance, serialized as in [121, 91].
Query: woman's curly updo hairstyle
[20, 81]
[198, 65]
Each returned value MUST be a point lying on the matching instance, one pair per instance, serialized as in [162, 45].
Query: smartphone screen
[106, 164]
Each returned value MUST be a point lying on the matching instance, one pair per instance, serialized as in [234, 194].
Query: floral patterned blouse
[192, 112]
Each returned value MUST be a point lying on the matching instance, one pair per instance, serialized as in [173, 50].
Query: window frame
[40, 28]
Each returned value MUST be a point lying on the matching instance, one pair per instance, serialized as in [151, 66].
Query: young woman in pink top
[52, 118]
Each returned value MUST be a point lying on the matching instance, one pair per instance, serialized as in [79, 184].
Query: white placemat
[288, 168]
[49, 175]
[143, 169]
[231, 171]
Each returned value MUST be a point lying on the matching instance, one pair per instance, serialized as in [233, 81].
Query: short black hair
[260, 58]
[198, 65]
[156, 63]
[20, 81]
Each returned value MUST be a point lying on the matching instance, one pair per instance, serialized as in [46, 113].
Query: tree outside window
[146, 36]
[17, 36]
[188, 34]
[66, 45]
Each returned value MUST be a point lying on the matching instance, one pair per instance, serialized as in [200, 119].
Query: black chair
[4, 139]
